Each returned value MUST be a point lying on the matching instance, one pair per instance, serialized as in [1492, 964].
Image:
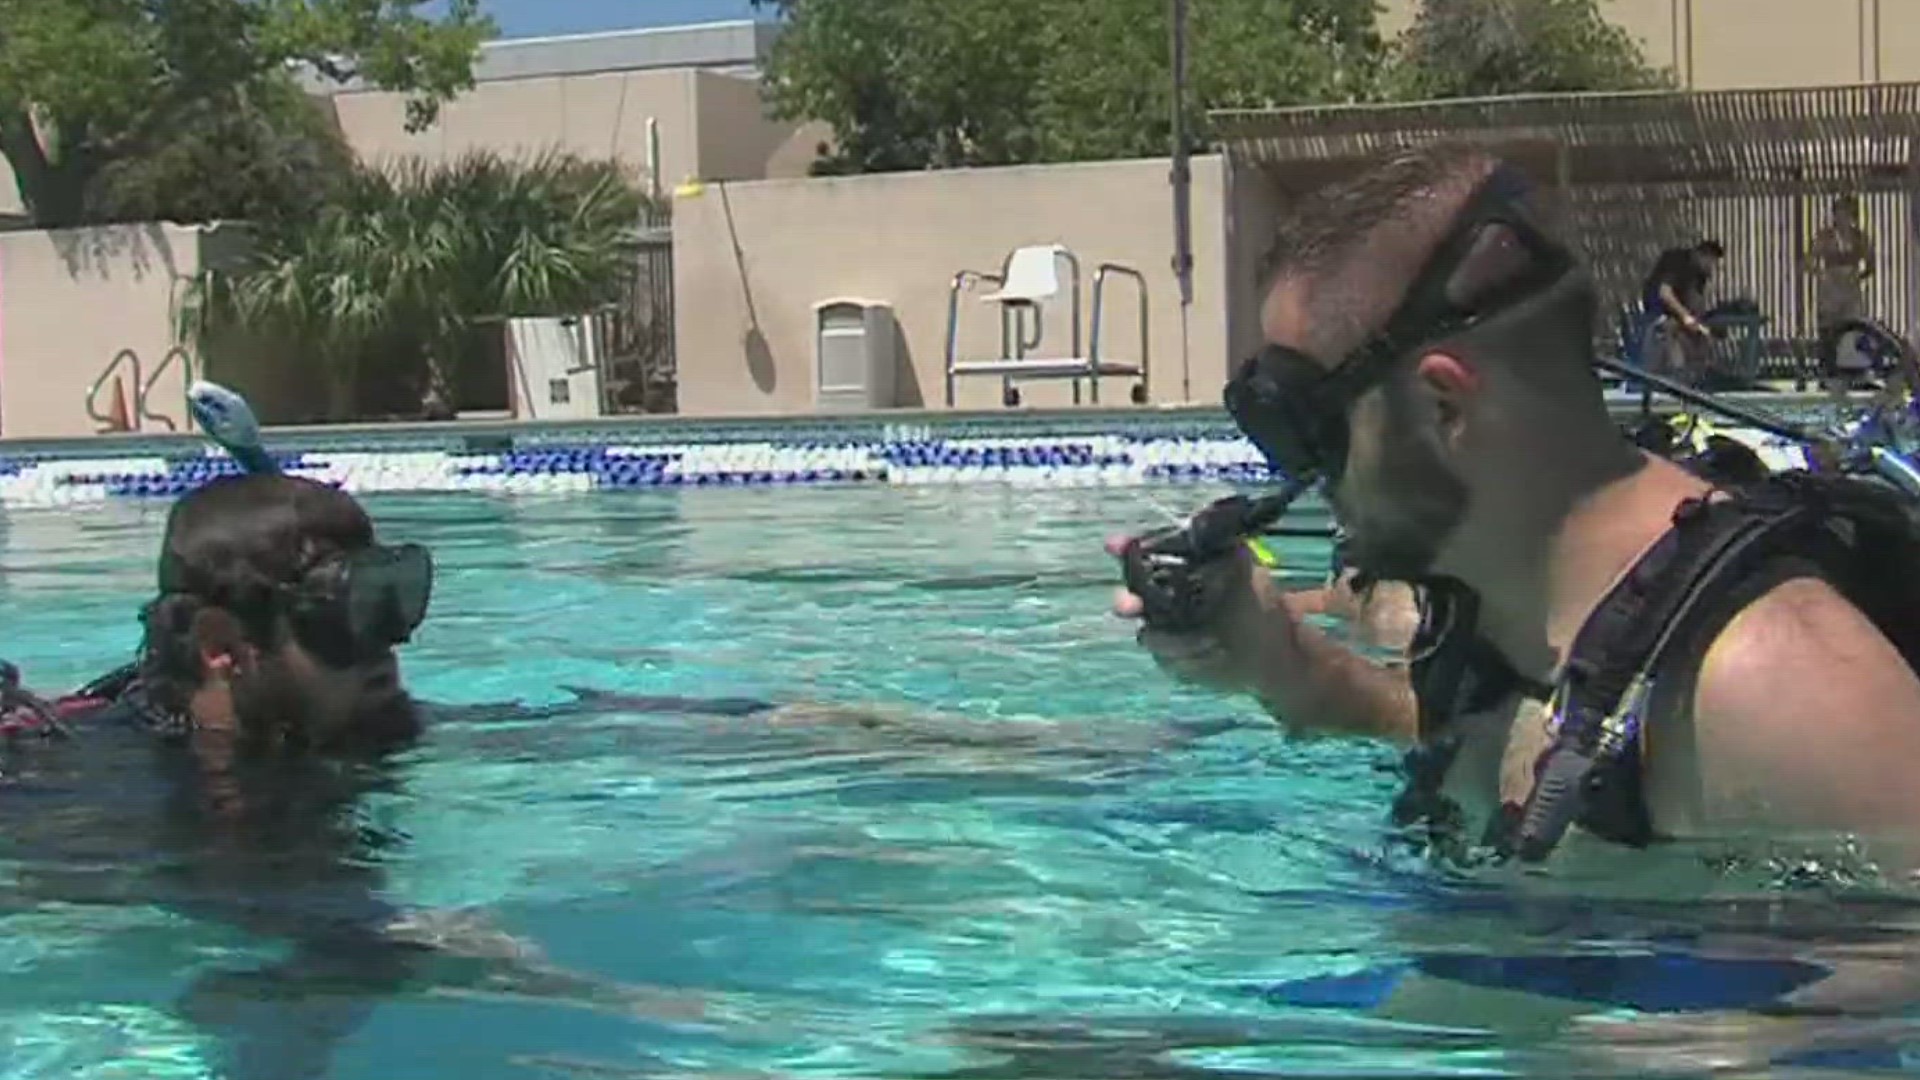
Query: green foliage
[914, 84]
[86, 83]
[403, 262]
[267, 155]
[1106, 87]
[1484, 48]
[920, 84]
[911, 84]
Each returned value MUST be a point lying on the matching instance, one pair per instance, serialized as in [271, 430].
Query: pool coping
[496, 435]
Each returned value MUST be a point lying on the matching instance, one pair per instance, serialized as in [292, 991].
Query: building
[695, 88]
[1760, 44]
[677, 103]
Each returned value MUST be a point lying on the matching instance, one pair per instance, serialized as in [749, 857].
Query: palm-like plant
[407, 259]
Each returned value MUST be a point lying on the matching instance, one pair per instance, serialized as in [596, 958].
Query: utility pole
[1182, 178]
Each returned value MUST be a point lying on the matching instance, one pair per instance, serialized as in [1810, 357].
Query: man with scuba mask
[267, 678]
[275, 618]
[1613, 648]
[276, 622]
[1629, 675]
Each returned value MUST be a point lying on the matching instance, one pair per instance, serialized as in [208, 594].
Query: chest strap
[1455, 672]
[1590, 770]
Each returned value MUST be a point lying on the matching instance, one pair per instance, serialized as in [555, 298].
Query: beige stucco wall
[712, 126]
[599, 115]
[69, 301]
[1760, 44]
[737, 139]
[751, 260]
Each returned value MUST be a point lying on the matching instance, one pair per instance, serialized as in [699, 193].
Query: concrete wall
[711, 125]
[69, 301]
[751, 259]
[1761, 44]
[597, 115]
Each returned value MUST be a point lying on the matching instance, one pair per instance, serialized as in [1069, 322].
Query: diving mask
[360, 603]
[1294, 408]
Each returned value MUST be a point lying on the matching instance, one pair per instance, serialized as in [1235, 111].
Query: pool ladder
[142, 389]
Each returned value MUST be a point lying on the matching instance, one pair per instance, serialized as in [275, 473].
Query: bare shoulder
[1805, 714]
[1803, 644]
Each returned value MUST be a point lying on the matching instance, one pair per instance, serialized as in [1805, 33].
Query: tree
[86, 84]
[402, 263]
[265, 155]
[917, 84]
[910, 84]
[1483, 48]
[1106, 89]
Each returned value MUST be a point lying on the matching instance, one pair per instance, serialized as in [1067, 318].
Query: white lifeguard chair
[1027, 281]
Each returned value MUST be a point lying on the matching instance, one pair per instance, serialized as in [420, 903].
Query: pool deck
[500, 434]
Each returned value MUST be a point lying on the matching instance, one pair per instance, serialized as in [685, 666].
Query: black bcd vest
[1860, 536]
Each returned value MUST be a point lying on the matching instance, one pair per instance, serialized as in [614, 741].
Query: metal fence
[638, 371]
[1640, 173]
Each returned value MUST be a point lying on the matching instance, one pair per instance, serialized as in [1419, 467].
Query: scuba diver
[1618, 658]
[215, 775]
[275, 620]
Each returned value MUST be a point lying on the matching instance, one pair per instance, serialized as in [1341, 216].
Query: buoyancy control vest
[1722, 552]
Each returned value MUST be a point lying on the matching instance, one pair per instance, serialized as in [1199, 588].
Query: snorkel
[228, 421]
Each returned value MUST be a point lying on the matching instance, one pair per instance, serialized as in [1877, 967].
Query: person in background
[1841, 263]
[1674, 296]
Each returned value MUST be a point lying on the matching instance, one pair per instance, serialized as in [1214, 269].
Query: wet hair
[231, 548]
[1354, 249]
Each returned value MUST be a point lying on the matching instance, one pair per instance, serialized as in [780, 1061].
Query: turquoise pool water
[1036, 857]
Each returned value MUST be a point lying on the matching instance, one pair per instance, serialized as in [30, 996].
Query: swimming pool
[1041, 859]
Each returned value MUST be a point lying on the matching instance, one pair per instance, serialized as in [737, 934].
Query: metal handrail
[107, 423]
[1073, 261]
[176, 353]
[1099, 307]
[960, 281]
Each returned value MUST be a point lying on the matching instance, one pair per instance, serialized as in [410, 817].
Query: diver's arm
[282, 1021]
[1258, 642]
[1312, 683]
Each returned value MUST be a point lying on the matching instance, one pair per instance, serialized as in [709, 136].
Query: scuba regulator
[1178, 572]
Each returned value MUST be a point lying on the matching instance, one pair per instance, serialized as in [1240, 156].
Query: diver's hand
[1224, 654]
[1384, 615]
[1255, 640]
